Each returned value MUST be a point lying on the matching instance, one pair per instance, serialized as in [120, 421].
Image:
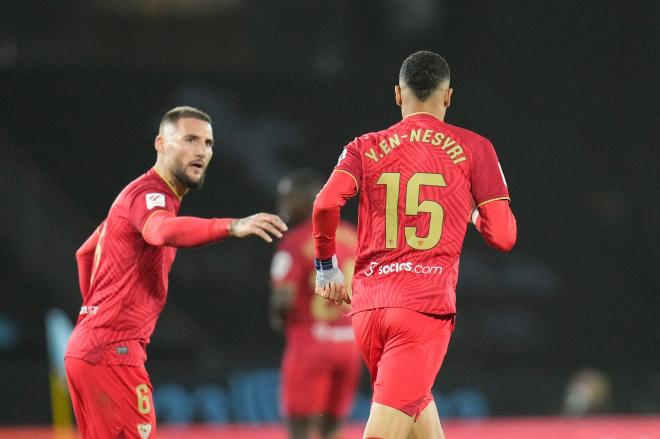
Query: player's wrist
[325, 264]
[231, 227]
[220, 228]
[327, 270]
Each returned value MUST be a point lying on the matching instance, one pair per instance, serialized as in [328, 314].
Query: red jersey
[129, 277]
[313, 319]
[418, 182]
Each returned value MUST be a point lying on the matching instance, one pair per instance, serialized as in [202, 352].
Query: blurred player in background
[321, 363]
[419, 183]
[123, 272]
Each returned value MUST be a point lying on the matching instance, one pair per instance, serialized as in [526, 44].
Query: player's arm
[164, 228]
[325, 218]
[496, 223]
[281, 301]
[85, 260]
[492, 217]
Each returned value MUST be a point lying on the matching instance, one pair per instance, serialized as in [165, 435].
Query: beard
[189, 183]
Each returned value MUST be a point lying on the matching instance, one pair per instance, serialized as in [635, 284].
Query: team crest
[155, 200]
[144, 430]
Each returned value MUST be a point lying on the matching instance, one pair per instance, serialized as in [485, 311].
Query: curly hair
[423, 72]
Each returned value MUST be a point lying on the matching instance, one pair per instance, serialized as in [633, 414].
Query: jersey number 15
[413, 206]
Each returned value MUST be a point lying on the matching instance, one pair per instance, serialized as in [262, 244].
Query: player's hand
[336, 292]
[261, 224]
[330, 282]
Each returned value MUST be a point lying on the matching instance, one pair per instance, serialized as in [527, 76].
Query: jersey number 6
[143, 403]
[391, 180]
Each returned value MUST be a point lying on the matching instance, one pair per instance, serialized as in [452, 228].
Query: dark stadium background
[567, 92]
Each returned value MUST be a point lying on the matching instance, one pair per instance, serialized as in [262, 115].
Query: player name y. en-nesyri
[434, 138]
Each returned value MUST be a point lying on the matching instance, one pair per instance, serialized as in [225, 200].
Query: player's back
[417, 188]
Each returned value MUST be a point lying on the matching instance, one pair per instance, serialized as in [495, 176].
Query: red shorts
[403, 350]
[111, 401]
[319, 379]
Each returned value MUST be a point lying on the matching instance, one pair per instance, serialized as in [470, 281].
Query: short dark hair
[177, 113]
[423, 72]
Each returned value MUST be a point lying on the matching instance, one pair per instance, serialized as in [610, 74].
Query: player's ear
[159, 144]
[448, 93]
[397, 95]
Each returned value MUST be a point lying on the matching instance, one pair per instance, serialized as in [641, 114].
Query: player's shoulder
[149, 182]
[387, 132]
[297, 245]
[363, 140]
[368, 140]
[149, 185]
[468, 137]
[296, 235]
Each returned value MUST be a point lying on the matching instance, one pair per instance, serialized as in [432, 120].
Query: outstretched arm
[163, 228]
[496, 223]
[325, 217]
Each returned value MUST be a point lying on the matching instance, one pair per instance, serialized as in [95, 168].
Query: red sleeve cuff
[219, 228]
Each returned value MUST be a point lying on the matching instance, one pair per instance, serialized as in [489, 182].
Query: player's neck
[434, 110]
[174, 184]
[436, 104]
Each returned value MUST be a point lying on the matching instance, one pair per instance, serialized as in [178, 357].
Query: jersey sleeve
[350, 161]
[487, 179]
[326, 211]
[146, 203]
[497, 225]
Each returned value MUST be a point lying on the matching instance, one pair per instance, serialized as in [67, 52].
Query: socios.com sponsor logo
[397, 267]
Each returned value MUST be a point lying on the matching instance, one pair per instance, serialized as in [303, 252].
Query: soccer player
[123, 269]
[321, 362]
[420, 182]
